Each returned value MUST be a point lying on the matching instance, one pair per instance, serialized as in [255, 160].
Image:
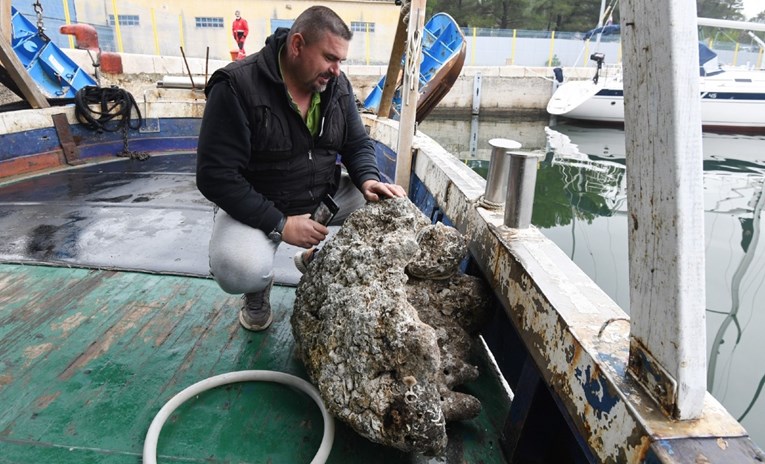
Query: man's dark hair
[315, 21]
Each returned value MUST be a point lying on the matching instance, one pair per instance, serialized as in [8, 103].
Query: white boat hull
[736, 100]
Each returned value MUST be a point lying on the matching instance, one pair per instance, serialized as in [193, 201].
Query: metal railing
[155, 31]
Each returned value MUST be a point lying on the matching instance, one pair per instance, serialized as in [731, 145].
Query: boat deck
[91, 351]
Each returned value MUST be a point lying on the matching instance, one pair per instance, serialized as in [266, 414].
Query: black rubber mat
[130, 215]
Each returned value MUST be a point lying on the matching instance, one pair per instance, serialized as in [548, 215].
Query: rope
[108, 109]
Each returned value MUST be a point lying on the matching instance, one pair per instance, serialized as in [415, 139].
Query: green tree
[720, 9]
[556, 15]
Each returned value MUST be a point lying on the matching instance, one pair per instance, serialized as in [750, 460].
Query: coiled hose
[152, 436]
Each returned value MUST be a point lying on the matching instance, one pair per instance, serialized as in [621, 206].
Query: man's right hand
[303, 231]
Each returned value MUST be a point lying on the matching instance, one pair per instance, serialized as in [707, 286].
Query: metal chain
[137, 155]
[39, 10]
[40, 25]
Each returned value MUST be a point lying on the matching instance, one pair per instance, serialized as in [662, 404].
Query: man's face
[317, 62]
[236, 14]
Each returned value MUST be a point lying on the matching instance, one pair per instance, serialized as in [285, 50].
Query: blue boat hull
[57, 75]
[443, 54]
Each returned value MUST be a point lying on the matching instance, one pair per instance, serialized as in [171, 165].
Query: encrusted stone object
[385, 348]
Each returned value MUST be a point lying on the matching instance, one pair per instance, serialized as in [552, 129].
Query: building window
[126, 20]
[207, 21]
[361, 26]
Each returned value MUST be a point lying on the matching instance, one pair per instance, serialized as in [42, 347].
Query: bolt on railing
[519, 202]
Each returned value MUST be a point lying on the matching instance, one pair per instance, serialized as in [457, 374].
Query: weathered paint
[87, 366]
[665, 196]
[576, 335]
[30, 143]
[649, 372]
[32, 163]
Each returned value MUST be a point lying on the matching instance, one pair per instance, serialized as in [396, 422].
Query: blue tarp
[705, 54]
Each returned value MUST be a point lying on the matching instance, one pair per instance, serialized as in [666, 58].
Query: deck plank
[90, 356]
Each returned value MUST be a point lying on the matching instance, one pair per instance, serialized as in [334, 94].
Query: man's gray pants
[242, 257]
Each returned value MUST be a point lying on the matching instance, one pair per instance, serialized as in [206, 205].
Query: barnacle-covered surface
[384, 349]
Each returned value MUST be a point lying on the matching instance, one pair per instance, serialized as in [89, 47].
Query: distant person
[240, 30]
[276, 128]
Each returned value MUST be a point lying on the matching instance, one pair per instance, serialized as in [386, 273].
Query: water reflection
[581, 203]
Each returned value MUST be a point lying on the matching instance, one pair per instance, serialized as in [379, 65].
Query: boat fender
[85, 35]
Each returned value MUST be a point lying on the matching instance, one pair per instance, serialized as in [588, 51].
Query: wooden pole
[5, 20]
[665, 198]
[394, 65]
[410, 91]
[13, 65]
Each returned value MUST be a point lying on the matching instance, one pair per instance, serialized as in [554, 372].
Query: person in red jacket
[240, 30]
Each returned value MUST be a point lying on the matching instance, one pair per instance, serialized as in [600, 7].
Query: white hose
[152, 436]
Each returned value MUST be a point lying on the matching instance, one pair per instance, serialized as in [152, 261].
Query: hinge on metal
[65, 139]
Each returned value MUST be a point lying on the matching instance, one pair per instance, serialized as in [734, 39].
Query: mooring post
[519, 202]
[499, 168]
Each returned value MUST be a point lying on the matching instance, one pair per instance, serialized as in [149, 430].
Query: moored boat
[731, 98]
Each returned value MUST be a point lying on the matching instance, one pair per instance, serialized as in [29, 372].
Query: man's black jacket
[256, 158]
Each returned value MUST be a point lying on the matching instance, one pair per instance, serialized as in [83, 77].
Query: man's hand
[373, 190]
[303, 232]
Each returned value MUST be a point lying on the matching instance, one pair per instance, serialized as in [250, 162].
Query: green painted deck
[90, 356]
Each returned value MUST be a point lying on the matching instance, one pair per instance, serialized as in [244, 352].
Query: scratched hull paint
[31, 143]
[576, 335]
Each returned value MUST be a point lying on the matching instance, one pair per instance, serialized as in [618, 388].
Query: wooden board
[89, 357]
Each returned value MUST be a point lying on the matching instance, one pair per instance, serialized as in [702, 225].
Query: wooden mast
[394, 64]
[13, 65]
[410, 91]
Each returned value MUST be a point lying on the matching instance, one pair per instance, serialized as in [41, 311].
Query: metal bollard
[499, 165]
[519, 202]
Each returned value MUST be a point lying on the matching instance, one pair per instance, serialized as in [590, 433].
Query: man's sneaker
[304, 257]
[256, 314]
